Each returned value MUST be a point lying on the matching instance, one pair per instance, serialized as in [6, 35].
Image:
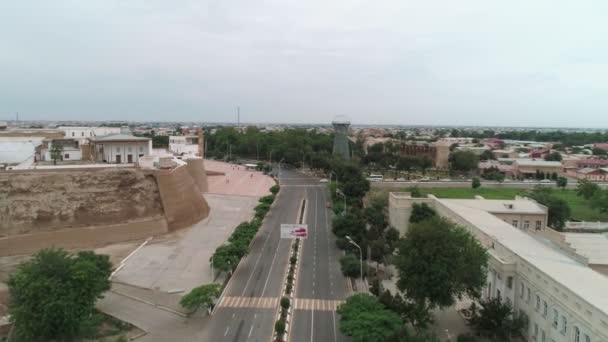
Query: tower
[341, 124]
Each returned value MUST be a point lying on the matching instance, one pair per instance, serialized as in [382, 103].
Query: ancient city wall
[34, 201]
[196, 169]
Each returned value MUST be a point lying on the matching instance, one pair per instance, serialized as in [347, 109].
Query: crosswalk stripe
[249, 302]
[316, 304]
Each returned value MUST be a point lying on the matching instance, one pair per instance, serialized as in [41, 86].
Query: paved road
[320, 283]
[248, 310]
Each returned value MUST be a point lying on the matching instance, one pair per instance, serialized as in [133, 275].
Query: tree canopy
[52, 296]
[421, 212]
[586, 188]
[204, 295]
[439, 261]
[495, 320]
[463, 161]
[553, 156]
[559, 210]
[365, 319]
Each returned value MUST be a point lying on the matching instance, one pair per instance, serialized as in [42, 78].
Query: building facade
[563, 299]
[120, 148]
[437, 152]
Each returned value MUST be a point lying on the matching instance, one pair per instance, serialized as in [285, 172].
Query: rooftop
[537, 162]
[539, 253]
[592, 246]
[517, 206]
[119, 137]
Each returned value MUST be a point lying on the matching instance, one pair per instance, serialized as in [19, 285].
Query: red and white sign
[291, 231]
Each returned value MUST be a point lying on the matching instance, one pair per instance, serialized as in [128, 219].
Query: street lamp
[280, 161]
[360, 256]
[335, 174]
[338, 192]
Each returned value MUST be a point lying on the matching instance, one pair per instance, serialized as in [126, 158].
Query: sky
[424, 62]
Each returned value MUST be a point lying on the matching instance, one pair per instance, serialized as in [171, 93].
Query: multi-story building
[183, 144]
[83, 133]
[120, 148]
[438, 152]
[563, 299]
[528, 168]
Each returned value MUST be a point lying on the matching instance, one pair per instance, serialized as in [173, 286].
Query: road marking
[312, 324]
[250, 302]
[333, 317]
[316, 304]
[271, 266]
[226, 332]
[250, 330]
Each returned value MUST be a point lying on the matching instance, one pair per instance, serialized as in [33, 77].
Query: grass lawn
[581, 210]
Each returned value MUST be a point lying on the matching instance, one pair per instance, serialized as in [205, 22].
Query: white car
[323, 180]
[546, 181]
[400, 179]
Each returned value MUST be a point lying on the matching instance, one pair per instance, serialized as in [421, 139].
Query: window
[515, 223]
[587, 338]
[537, 302]
[521, 290]
[498, 294]
[555, 318]
[538, 225]
[129, 148]
[72, 133]
[544, 308]
[577, 334]
[529, 296]
[564, 325]
[510, 282]
[526, 224]
[66, 156]
[141, 148]
[82, 134]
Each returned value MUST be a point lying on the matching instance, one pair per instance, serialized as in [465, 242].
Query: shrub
[275, 189]
[285, 303]
[288, 288]
[279, 327]
[293, 260]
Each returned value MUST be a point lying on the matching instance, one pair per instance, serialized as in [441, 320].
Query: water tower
[341, 124]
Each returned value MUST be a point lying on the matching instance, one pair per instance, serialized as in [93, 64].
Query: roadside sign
[290, 231]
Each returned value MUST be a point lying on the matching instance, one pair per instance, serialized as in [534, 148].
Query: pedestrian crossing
[316, 304]
[249, 302]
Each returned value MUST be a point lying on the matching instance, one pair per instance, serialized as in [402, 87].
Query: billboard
[290, 231]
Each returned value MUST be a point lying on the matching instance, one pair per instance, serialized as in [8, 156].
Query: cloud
[390, 62]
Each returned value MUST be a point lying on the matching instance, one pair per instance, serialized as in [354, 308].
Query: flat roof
[536, 162]
[119, 137]
[540, 253]
[591, 245]
[517, 206]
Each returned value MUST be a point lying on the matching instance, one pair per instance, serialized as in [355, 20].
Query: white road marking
[312, 325]
[226, 332]
[250, 330]
[333, 316]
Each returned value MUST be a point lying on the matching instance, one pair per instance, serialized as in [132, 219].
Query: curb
[149, 303]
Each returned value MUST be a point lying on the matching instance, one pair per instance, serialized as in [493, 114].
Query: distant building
[84, 133]
[592, 163]
[562, 298]
[528, 168]
[183, 144]
[120, 148]
[603, 146]
[592, 174]
[437, 152]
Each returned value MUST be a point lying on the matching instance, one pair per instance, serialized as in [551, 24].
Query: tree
[439, 261]
[559, 210]
[463, 161]
[227, 256]
[412, 312]
[52, 296]
[599, 201]
[475, 183]
[204, 295]
[586, 188]
[421, 212]
[553, 156]
[487, 155]
[56, 153]
[562, 182]
[350, 265]
[365, 319]
[495, 320]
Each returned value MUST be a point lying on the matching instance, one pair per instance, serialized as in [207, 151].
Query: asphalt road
[320, 283]
[250, 304]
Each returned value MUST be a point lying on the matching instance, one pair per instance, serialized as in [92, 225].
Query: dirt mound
[38, 201]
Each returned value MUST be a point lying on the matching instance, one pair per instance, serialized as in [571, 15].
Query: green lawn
[581, 210]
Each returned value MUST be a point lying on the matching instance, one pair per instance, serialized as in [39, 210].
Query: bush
[466, 338]
[285, 303]
[350, 265]
[275, 189]
[279, 327]
[475, 183]
[267, 199]
[293, 260]
[288, 288]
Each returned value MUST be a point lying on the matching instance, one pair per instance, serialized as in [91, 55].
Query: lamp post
[280, 161]
[335, 174]
[360, 256]
[344, 196]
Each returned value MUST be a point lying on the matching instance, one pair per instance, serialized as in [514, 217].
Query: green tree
[350, 265]
[599, 201]
[56, 153]
[463, 161]
[204, 295]
[562, 182]
[439, 261]
[365, 319]
[487, 155]
[421, 212]
[227, 256]
[553, 156]
[586, 188]
[52, 296]
[475, 183]
[495, 320]
[559, 210]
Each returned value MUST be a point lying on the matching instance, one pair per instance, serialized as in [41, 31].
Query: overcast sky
[486, 62]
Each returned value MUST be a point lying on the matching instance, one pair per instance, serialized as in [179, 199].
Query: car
[328, 205]
[546, 181]
[323, 180]
[400, 179]
[425, 179]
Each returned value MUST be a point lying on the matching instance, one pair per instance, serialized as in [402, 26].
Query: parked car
[323, 180]
[546, 181]
[400, 179]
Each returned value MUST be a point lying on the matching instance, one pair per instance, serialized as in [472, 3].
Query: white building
[120, 148]
[183, 144]
[83, 133]
[17, 150]
[70, 149]
[562, 297]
